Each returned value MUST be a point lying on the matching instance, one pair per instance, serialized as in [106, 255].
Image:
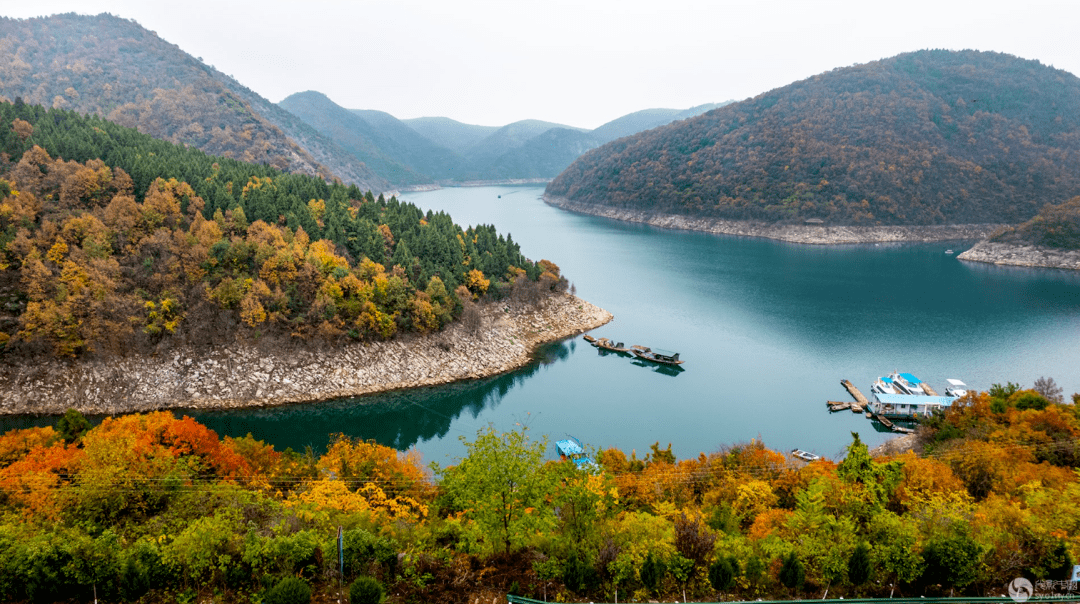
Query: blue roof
[886, 379]
[911, 378]
[913, 399]
[568, 447]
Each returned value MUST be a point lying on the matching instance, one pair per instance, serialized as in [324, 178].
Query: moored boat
[883, 385]
[589, 339]
[906, 383]
[804, 455]
[665, 357]
[606, 344]
[571, 449]
[956, 388]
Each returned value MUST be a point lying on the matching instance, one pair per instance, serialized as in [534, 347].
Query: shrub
[652, 572]
[290, 590]
[365, 590]
[722, 573]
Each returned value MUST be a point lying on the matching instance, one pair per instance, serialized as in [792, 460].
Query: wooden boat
[804, 455]
[656, 356]
[589, 339]
[606, 344]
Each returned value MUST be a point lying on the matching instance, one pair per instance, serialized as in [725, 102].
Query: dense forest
[1055, 226]
[113, 241]
[155, 508]
[930, 137]
[116, 69]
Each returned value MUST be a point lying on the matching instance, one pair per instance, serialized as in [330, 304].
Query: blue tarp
[568, 447]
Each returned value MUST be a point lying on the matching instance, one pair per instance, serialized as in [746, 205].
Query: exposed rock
[1022, 255]
[823, 234]
[241, 375]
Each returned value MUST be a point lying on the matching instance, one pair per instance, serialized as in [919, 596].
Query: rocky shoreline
[794, 233]
[1010, 254]
[242, 375]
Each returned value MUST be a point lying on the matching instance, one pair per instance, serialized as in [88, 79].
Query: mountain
[382, 152]
[928, 137]
[647, 119]
[114, 68]
[541, 156]
[508, 138]
[449, 133]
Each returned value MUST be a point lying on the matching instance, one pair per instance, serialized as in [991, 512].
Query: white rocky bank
[796, 233]
[249, 376]
[1022, 255]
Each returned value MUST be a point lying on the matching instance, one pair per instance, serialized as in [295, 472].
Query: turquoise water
[767, 330]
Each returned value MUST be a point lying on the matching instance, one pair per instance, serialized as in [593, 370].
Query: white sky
[576, 62]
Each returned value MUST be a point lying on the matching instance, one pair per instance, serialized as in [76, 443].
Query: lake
[767, 330]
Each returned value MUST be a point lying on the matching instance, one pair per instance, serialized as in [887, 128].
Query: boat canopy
[886, 379]
[666, 353]
[910, 378]
[955, 382]
[569, 447]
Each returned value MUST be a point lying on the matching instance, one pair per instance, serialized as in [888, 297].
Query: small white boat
[956, 388]
[949, 252]
[804, 455]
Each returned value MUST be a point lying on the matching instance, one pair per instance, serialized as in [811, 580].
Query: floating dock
[861, 403]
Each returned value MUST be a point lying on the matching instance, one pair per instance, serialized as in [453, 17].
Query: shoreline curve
[792, 233]
[241, 375]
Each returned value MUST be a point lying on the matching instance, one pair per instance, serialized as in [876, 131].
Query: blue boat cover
[886, 379]
[911, 378]
[568, 447]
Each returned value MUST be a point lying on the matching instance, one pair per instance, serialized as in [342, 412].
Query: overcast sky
[576, 62]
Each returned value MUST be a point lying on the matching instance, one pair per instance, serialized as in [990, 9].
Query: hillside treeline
[930, 137]
[1055, 226]
[154, 508]
[111, 240]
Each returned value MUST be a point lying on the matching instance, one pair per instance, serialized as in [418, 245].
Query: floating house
[900, 406]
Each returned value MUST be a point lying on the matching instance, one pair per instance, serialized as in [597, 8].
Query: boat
[571, 449]
[589, 339]
[606, 344]
[804, 455]
[906, 383]
[949, 252]
[665, 357]
[883, 385]
[956, 388]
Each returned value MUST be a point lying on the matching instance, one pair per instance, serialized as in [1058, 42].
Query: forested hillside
[930, 137]
[113, 241]
[1055, 226]
[159, 507]
[116, 69]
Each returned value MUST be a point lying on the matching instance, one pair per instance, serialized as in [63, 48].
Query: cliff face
[244, 375]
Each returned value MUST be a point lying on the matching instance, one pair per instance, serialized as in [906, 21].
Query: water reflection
[398, 419]
[672, 370]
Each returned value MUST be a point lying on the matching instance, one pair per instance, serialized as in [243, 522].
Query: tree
[501, 484]
[652, 572]
[366, 590]
[722, 572]
[859, 565]
[1049, 389]
[792, 572]
[952, 561]
[72, 426]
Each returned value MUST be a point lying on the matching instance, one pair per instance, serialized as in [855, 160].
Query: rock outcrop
[824, 234]
[1022, 255]
[240, 375]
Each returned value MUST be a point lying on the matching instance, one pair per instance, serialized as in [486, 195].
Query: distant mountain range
[114, 68]
[441, 150]
[929, 137]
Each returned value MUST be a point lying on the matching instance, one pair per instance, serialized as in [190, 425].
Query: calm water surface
[767, 330]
